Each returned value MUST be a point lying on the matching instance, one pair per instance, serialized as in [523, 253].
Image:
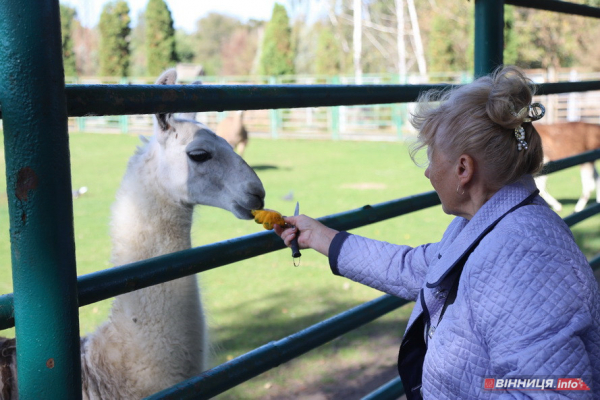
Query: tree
[451, 46]
[237, 53]
[213, 31]
[511, 38]
[277, 56]
[184, 46]
[87, 46]
[137, 44]
[357, 40]
[114, 39]
[160, 37]
[328, 60]
[67, 16]
[547, 39]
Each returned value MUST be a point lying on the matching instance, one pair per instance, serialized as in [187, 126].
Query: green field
[266, 298]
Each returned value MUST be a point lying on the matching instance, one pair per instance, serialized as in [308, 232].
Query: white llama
[156, 337]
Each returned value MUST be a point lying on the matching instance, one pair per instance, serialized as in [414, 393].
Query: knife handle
[294, 246]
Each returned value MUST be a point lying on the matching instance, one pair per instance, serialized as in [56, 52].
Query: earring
[458, 187]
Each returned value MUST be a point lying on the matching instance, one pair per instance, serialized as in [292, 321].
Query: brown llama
[567, 139]
[232, 129]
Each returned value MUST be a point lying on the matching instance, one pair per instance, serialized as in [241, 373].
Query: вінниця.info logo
[535, 383]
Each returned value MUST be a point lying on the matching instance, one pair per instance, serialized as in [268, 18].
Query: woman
[506, 293]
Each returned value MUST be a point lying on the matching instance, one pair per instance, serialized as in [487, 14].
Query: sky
[185, 12]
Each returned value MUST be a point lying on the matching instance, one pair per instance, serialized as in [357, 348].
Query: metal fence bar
[558, 6]
[389, 391]
[232, 373]
[148, 99]
[489, 36]
[554, 166]
[7, 311]
[85, 100]
[92, 100]
[595, 262]
[566, 87]
[32, 94]
[582, 215]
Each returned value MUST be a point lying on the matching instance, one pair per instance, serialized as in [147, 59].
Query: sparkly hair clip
[529, 113]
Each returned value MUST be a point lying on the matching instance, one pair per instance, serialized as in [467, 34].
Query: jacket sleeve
[394, 269]
[529, 302]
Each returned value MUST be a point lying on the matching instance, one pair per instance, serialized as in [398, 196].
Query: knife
[294, 244]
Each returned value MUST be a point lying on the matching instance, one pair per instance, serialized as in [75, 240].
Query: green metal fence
[35, 107]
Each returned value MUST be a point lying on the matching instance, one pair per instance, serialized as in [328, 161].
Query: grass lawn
[253, 302]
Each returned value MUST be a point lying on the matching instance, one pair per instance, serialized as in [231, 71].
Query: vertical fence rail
[32, 96]
[489, 35]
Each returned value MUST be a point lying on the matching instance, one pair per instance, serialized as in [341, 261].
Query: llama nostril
[256, 201]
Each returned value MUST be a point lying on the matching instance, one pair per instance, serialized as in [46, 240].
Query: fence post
[335, 114]
[489, 35]
[34, 115]
[80, 123]
[124, 119]
[399, 110]
[274, 114]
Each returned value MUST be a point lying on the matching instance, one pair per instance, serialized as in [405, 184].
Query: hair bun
[511, 90]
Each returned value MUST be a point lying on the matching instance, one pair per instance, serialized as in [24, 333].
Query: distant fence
[384, 122]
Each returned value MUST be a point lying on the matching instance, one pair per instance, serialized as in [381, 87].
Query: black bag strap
[454, 277]
[453, 290]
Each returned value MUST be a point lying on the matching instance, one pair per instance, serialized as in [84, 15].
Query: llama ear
[164, 121]
[167, 78]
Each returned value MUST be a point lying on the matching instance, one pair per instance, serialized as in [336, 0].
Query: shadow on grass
[352, 365]
[588, 239]
[567, 201]
[272, 320]
[265, 167]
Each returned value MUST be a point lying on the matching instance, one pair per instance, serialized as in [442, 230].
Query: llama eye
[199, 156]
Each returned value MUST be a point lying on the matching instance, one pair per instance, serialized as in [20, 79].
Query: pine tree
[329, 54]
[114, 39]
[67, 16]
[277, 55]
[160, 37]
[451, 38]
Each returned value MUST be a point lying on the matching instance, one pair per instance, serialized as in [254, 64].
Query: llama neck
[147, 223]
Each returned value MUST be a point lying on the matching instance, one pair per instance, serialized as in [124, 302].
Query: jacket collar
[501, 203]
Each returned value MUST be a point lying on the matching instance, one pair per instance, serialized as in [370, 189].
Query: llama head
[198, 167]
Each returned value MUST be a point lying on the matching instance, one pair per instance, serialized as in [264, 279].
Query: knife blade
[294, 244]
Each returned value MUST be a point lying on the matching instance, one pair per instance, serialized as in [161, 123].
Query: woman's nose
[427, 172]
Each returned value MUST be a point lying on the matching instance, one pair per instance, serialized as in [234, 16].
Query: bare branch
[377, 45]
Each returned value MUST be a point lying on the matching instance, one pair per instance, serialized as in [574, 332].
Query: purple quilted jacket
[527, 303]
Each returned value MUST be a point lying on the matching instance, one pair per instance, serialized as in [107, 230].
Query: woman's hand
[313, 234]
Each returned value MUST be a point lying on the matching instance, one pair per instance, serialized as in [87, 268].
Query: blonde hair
[479, 119]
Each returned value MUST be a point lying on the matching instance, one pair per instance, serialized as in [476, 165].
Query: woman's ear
[465, 169]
